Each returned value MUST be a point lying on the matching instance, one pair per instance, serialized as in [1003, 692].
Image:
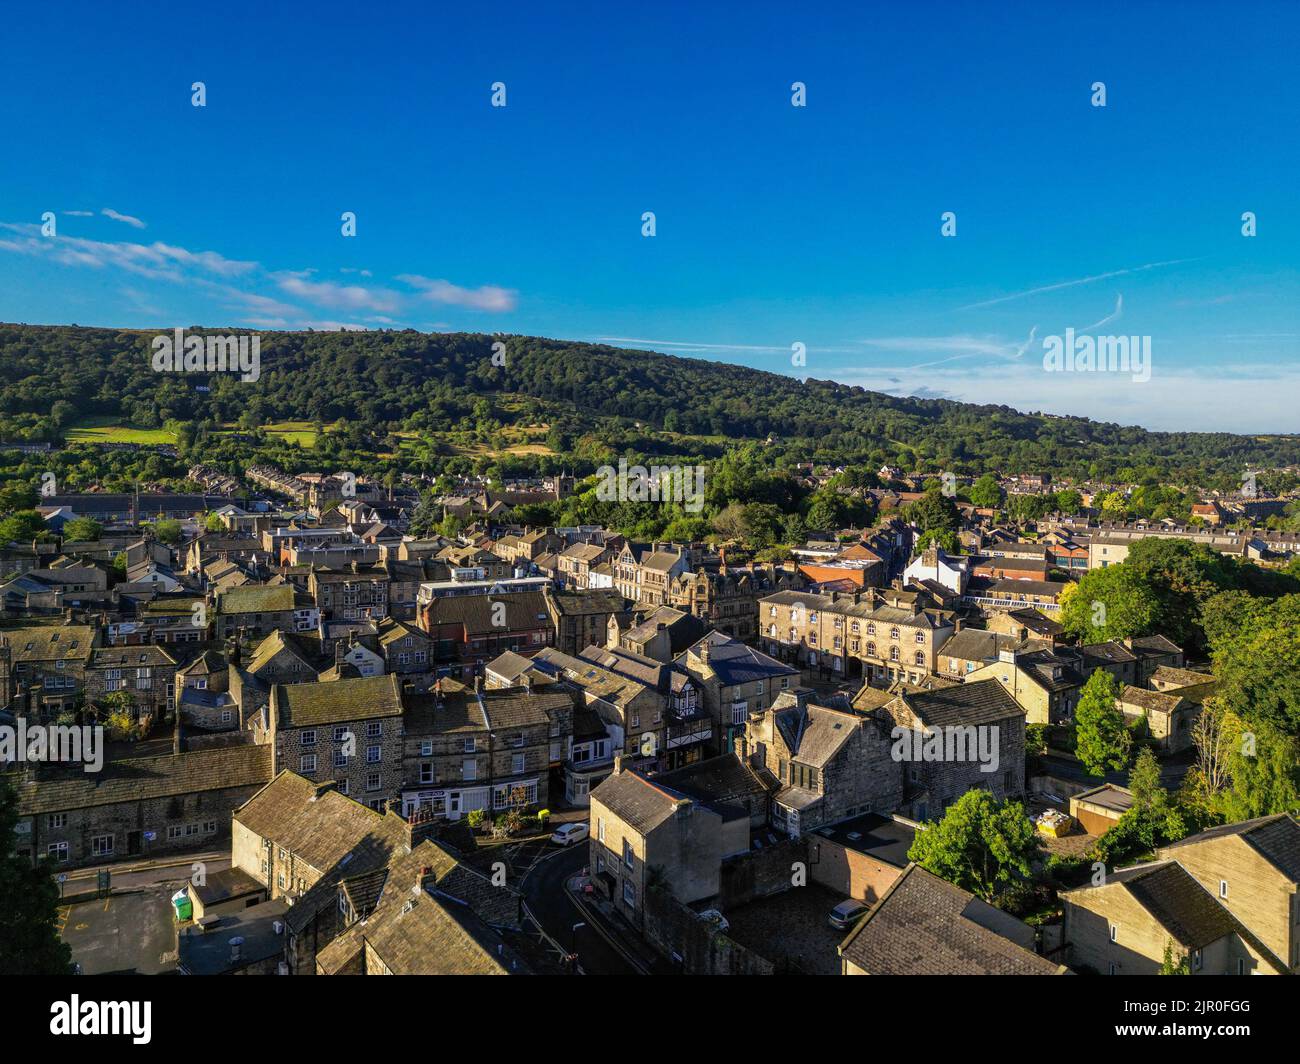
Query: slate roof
[923, 925]
[255, 598]
[50, 643]
[509, 665]
[1184, 908]
[585, 603]
[1275, 838]
[148, 655]
[656, 674]
[815, 734]
[715, 780]
[1155, 644]
[430, 924]
[976, 644]
[524, 611]
[1180, 677]
[143, 778]
[278, 642]
[981, 702]
[306, 705]
[502, 709]
[1150, 701]
[733, 662]
[640, 803]
[611, 687]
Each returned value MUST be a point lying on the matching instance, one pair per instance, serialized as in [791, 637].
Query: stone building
[136, 807]
[348, 731]
[489, 750]
[736, 680]
[646, 836]
[829, 763]
[960, 738]
[879, 635]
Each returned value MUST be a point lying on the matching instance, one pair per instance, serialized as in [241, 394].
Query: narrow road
[543, 889]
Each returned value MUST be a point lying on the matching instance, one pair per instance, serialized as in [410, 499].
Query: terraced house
[490, 750]
[355, 593]
[50, 662]
[468, 631]
[875, 635]
[258, 610]
[347, 731]
[146, 673]
[635, 714]
[736, 680]
[136, 807]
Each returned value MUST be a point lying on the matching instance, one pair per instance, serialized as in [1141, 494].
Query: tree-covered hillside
[408, 382]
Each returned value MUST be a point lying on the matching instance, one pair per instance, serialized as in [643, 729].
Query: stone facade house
[1253, 869]
[736, 680]
[136, 807]
[647, 836]
[146, 673]
[581, 619]
[489, 750]
[50, 660]
[956, 739]
[1125, 925]
[348, 731]
[259, 609]
[829, 764]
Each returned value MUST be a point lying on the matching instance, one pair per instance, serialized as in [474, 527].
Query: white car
[568, 834]
[846, 914]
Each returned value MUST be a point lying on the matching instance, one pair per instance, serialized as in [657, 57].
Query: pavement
[123, 934]
[133, 875]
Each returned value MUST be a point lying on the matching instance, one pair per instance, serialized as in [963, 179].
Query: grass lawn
[100, 430]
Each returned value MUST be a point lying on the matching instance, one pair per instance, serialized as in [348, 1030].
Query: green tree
[29, 940]
[933, 511]
[1110, 603]
[980, 844]
[1174, 964]
[82, 529]
[986, 492]
[168, 530]
[1102, 740]
[22, 527]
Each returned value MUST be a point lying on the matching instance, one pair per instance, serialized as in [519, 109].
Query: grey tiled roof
[640, 803]
[981, 702]
[1276, 838]
[924, 926]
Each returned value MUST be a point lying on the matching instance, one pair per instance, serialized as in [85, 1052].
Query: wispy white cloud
[117, 216]
[341, 296]
[263, 296]
[1254, 398]
[157, 260]
[79, 214]
[487, 297]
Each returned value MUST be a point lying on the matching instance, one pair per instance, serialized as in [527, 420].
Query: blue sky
[776, 225]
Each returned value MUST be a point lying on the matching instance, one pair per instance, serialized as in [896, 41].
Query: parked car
[846, 913]
[568, 834]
